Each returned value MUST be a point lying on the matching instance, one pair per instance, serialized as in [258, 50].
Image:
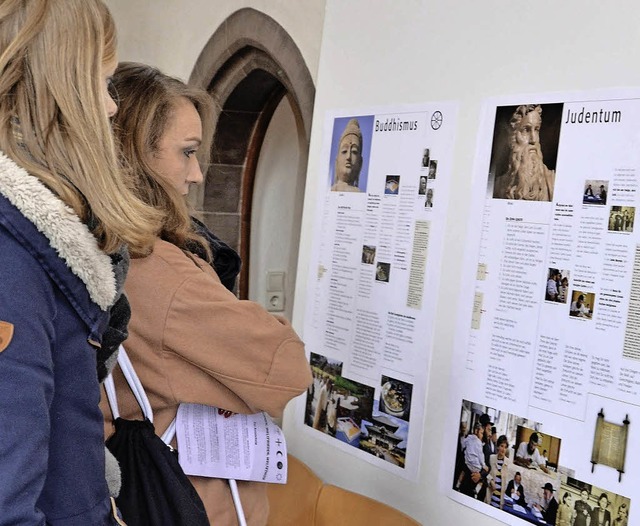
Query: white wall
[275, 229]
[379, 52]
[170, 34]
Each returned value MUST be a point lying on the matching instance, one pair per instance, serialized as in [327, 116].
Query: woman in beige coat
[190, 339]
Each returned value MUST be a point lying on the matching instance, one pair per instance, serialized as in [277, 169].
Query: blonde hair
[53, 119]
[147, 101]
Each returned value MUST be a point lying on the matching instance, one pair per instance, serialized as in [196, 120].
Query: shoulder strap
[134, 384]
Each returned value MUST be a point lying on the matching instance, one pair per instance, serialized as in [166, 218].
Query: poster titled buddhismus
[546, 387]
[378, 236]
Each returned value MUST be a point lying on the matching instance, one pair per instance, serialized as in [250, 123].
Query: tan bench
[306, 501]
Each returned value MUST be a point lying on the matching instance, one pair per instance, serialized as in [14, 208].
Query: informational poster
[546, 386]
[373, 279]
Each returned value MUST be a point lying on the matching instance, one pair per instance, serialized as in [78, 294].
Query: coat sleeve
[248, 352]
[26, 385]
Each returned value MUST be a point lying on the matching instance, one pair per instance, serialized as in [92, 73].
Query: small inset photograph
[382, 271]
[536, 451]
[350, 403]
[395, 397]
[368, 254]
[324, 371]
[385, 437]
[392, 184]
[582, 304]
[621, 218]
[350, 151]
[595, 192]
[557, 288]
[425, 158]
[428, 203]
[422, 186]
[433, 168]
[591, 505]
[524, 151]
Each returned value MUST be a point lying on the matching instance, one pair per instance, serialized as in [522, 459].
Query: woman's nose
[195, 174]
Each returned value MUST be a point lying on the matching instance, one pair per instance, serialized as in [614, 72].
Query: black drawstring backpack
[155, 491]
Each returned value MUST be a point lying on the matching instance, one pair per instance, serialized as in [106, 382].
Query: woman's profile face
[175, 157]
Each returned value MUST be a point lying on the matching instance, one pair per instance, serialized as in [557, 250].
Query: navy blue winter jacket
[56, 289]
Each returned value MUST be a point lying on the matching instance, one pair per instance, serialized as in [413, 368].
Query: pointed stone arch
[248, 65]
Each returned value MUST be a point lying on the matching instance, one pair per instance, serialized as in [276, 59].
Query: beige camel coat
[191, 340]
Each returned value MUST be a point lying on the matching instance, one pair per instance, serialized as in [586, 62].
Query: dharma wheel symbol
[436, 120]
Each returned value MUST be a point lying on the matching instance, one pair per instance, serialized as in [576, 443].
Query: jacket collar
[66, 233]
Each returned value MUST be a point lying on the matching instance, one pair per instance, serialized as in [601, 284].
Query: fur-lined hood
[70, 238]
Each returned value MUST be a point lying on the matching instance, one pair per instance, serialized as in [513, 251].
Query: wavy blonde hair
[147, 101]
[53, 119]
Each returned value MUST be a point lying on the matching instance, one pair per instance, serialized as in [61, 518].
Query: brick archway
[248, 65]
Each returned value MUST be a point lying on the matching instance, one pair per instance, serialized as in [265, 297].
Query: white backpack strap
[168, 435]
[134, 383]
[110, 388]
[236, 501]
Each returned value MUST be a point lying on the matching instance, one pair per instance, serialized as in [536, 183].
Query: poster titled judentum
[547, 362]
[382, 199]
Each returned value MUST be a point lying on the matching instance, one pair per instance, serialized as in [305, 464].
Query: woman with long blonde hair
[67, 215]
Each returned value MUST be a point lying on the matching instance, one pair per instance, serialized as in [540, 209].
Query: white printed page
[241, 447]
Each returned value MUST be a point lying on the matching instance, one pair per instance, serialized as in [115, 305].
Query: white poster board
[373, 279]
[547, 344]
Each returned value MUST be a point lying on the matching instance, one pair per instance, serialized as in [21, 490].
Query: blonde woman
[190, 339]
[65, 216]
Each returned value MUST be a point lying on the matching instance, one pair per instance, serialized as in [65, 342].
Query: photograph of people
[563, 290]
[623, 516]
[425, 158]
[557, 285]
[600, 515]
[191, 340]
[324, 371]
[582, 304]
[565, 510]
[422, 187]
[621, 218]
[368, 254]
[476, 469]
[528, 455]
[433, 168]
[429, 201]
[349, 152]
[549, 505]
[519, 168]
[553, 280]
[582, 510]
[497, 462]
[515, 490]
[595, 192]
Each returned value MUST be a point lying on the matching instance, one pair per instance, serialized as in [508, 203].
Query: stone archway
[248, 65]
